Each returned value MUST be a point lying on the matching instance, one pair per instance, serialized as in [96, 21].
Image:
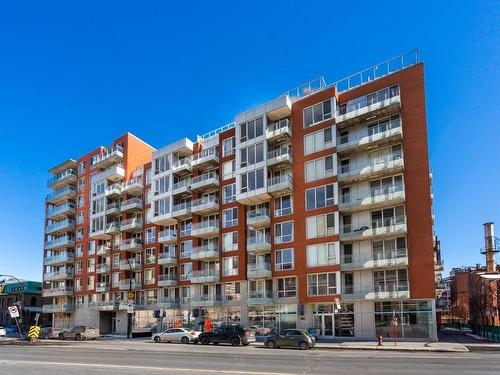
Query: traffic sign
[14, 312]
[34, 332]
[337, 303]
[130, 295]
[130, 306]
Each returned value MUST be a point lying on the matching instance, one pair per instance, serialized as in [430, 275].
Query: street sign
[34, 332]
[14, 312]
[37, 316]
[130, 306]
[337, 303]
[130, 295]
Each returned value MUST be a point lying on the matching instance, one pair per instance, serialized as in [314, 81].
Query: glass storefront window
[265, 320]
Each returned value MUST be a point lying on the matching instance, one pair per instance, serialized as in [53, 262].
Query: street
[140, 357]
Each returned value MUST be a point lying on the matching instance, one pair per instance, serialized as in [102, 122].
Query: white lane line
[149, 368]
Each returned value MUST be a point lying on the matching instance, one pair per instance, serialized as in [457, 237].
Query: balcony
[103, 287]
[253, 197]
[182, 167]
[257, 245]
[114, 173]
[259, 218]
[393, 195]
[167, 281]
[389, 164]
[58, 292]
[383, 292]
[205, 181]
[61, 179]
[379, 229]
[61, 211]
[182, 187]
[207, 300]
[182, 211]
[60, 226]
[260, 298]
[167, 237]
[349, 143]
[259, 271]
[206, 159]
[384, 103]
[278, 108]
[132, 205]
[114, 190]
[59, 275]
[59, 308]
[163, 219]
[103, 268]
[400, 259]
[61, 195]
[131, 225]
[107, 158]
[205, 276]
[205, 252]
[279, 158]
[61, 258]
[105, 234]
[130, 265]
[167, 258]
[280, 185]
[205, 229]
[167, 303]
[127, 284]
[205, 205]
[62, 241]
[279, 131]
[134, 186]
[131, 244]
[113, 209]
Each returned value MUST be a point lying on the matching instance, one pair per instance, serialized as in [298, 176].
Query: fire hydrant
[380, 341]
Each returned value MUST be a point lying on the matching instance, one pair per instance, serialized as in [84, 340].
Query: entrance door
[324, 324]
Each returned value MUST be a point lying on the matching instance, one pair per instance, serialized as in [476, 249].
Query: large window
[287, 287]
[320, 168]
[229, 193]
[388, 217]
[322, 284]
[384, 125]
[386, 185]
[162, 185]
[390, 280]
[317, 113]
[389, 249]
[230, 241]
[283, 206]
[252, 155]
[251, 129]
[230, 265]
[321, 255]
[151, 235]
[320, 225]
[228, 146]
[283, 232]
[252, 180]
[319, 197]
[186, 270]
[318, 141]
[230, 217]
[161, 164]
[284, 260]
[228, 169]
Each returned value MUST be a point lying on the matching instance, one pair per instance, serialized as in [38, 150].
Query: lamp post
[129, 294]
[21, 302]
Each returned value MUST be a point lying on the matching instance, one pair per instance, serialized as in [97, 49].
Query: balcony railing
[61, 193]
[257, 298]
[168, 257]
[206, 228]
[103, 268]
[66, 308]
[204, 252]
[182, 186]
[59, 258]
[103, 287]
[134, 185]
[112, 154]
[387, 291]
[167, 236]
[131, 224]
[259, 270]
[68, 174]
[206, 300]
[132, 204]
[205, 276]
[398, 258]
[60, 291]
[56, 275]
[59, 242]
[66, 208]
[182, 164]
[280, 156]
[259, 244]
[350, 141]
[126, 284]
[205, 204]
[369, 167]
[205, 180]
[60, 225]
[167, 280]
[378, 227]
[278, 130]
[131, 244]
[280, 184]
[259, 217]
[207, 156]
[378, 197]
[114, 189]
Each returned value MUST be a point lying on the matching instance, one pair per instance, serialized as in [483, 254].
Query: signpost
[14, 314]
[394, 323]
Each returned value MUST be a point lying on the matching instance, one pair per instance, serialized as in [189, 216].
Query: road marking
[149, 368]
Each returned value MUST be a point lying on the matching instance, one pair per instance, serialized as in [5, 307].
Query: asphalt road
[177, 359]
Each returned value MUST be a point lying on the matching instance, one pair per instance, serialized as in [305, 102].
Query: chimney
[489, 247]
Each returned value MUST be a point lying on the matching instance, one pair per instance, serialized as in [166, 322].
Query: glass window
[322, 284]
[317, 113]
[230, 217]
[229, 193]
[230, 241]
[321, 255]
[319, 197]
[283, 205]
[284, 259]
[287, 287]
[283, 232]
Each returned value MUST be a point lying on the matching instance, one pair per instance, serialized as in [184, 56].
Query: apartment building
[321, 195]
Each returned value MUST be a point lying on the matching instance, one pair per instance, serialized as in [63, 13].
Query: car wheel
[185, 340]
[205, 341]
[46, 337]
[303, 346]
[157, 339]
[245, 344]
[215, 343]
[235, 341]
[78, 337]
[271, 344]
[61, 336]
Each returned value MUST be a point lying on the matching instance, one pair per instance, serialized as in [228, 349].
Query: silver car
[78, 333]
[182, 335]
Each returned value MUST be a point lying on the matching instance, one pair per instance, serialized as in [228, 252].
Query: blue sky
[76, 75]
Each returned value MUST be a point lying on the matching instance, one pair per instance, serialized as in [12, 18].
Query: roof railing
[213, 133]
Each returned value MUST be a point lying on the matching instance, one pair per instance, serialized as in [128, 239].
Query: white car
[3, 331]
[182, 335]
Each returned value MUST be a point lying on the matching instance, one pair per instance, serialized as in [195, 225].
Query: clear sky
[75, 75]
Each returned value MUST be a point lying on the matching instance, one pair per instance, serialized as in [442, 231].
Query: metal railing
[216, 131]
[180, 163]
[106, 154]
[167, 233]
[206, 224]
[282, 151]
[180, 184]
[306, 89]
[61, 191]
[282, 179]
[54, 210]
[371, 163]
[60, 224]
[204, 177]
[258, 213]
[367, 100]
[61, 176]
[206, 152]
[278, 125]
[204, 200]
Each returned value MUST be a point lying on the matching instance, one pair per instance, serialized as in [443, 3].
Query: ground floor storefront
[354, 320]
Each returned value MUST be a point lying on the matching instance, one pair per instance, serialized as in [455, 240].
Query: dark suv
[234, 335]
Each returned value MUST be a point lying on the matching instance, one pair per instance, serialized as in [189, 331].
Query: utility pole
[21, 302]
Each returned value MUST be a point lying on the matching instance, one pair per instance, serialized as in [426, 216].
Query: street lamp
[21, 302]
[129, 294]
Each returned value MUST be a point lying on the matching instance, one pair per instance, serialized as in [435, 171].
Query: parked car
[234, 335]
[49, 333]
[3, 331]
[182, 335]
[297, 338]
[12, 330]
[78, 333]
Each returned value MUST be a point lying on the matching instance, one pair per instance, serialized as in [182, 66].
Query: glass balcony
[62, 241]
[260, 244]
[205, 229]
[379, 198]
[384, 292]
[165, 258]
[260, 297]
[206, 159]
[259, 271]
[127, 284]
[205, 276]
[205, 252]
[134, 186]
[59, 308]
[280, 185]
[371, 168]
[182, 166]
[60, 258]
[131, 244]
[205, 205]
[279, 158]
[205, 181]
[182, 211]
[113, 209]
[61, 195]
[279, 131]
[399, 258]
[130, 265]
[258, 218]
[114, 190]
[167, 280]
[131, 225]
[206, 300]
[182, 187]
[103, 268]
[60, 226]
[61, 211]
[103, 287]
[58, 292]
[112, 155]
[377, 229]
[132, 205]
[61, 179]
[168, 303]
[59, 275]
[167, 237]
[106, 233]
